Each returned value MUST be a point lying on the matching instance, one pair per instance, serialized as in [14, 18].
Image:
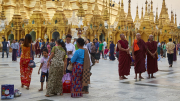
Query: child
[44, 68]
[105, 53]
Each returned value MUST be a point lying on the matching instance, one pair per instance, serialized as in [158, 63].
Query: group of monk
[139, 51]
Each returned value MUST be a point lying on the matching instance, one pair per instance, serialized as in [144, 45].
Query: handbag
[70, 67]
[31, 63]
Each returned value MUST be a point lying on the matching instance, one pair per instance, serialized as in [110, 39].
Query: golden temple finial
[142, 15]
[137, 15]
[89, 10]
[81, 12]
[105, 15]
[175, 20]
[129, 17]
[67, 5]
[17, 11]
[96, 9]
[2, 13]
[59, 6]
[119, 12]
[146, 16]
[157, 22]
[172, 18]
[151, 13]
[37, 6]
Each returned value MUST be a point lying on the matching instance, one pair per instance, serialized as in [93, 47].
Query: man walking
[152, 66]
[4, 48]
[88, 45]
[97, 57]
[14, 47]
[164, 49]
[101, 48]
[124, 57]
[170, 51]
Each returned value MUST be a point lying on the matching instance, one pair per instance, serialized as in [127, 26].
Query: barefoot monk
[152, 66]
[124, 57]
[138, 53]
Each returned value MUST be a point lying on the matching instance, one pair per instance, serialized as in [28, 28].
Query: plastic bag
[66, 83]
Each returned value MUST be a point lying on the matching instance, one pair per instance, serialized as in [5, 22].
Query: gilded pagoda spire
[59, 6]
[105, 15]
[37, 6]
[17, 9]
[164, 14]
[81, 12]
[119, 12]
[146, 16]
[137, 15]
[129, 17]
[157, 21]
[175, 20]
[103, 9]
[96, 9]
[172, 19]
[151, 13]
[122, 11]
[44, 10]
[89, 10]
[67, 5]
[2, 12]
[22, 10]
[142, 15]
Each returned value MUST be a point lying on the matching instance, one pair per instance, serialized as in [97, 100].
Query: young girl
[49, 48]
[105, 53]
[44, 68]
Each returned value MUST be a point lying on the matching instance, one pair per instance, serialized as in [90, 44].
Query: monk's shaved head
[122, 36]
[138, 36]
[151, 37]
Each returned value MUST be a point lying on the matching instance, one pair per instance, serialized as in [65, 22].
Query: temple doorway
[101, 37]
[33, 34]
[11, 37]
[55, 36]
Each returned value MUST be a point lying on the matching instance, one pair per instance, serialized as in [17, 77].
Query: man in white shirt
[70, 50]
[104, 43]
[8, 45]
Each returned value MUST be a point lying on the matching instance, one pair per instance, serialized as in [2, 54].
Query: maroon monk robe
[37, 48]
[124, 59]
[152, 66]
[140, 57]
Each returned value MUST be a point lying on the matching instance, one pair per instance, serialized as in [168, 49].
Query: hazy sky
[170, 4]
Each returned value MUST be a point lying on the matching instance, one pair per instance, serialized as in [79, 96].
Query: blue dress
[111, 57]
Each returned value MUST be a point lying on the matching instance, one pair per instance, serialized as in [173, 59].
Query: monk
[138, 54]
[152, 66]
[124, 57]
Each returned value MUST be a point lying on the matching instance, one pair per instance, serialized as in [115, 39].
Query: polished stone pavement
[105, 84]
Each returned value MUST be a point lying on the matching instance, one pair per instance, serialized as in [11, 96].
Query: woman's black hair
[27, 40]
[45, 50]
[61, 42]
[80, 41]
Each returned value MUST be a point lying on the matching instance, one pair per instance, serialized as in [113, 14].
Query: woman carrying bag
[81, 70]
[26, 56]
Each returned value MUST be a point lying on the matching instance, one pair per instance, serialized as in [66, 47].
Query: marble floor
[105, 84]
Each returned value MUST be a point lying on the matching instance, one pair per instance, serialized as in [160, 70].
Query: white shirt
[105, 44]
[8, 45]
[89, 55]
[70, 47]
